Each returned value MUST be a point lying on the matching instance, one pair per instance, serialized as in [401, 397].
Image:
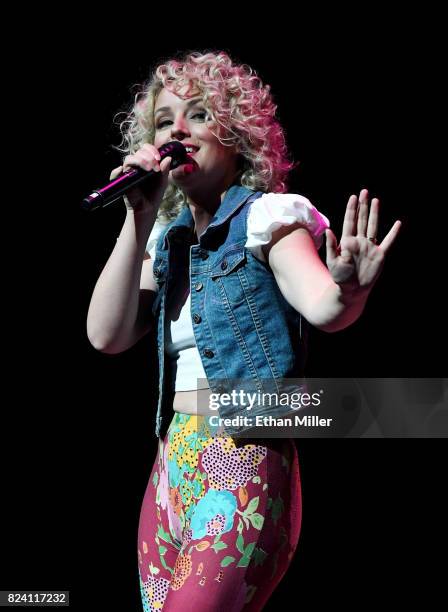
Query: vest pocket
[228, 276]
[227, 262]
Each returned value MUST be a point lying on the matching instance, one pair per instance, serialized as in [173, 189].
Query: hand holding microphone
[142, 180]
[148, 193]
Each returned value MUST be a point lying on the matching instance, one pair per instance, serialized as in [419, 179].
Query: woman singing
[222, 265]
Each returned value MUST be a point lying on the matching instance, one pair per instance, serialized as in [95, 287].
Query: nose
[179, 128]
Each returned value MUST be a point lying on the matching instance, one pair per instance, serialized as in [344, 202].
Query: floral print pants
[219, 522]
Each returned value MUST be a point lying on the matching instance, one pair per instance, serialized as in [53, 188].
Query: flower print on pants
[220, 520]
[214, 514]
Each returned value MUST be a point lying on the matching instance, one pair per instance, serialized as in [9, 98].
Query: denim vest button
[197, 318]
[224, 265]
[209, 353]
[157, 273]
[198, 286]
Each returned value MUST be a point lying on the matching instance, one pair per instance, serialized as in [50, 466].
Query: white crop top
[266, 214]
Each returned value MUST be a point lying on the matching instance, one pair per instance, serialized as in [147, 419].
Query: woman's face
[212, 165]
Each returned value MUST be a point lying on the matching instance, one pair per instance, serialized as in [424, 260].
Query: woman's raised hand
[146, 197]
[357, 261]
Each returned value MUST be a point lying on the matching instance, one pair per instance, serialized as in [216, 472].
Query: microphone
[99, 198]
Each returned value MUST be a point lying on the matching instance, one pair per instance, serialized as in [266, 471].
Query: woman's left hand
[357, 262]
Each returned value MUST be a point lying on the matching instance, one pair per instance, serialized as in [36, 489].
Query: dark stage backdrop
[361, 106]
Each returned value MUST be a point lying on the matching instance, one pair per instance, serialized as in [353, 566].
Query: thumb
[165, 164]
[115, 172]
[331, 244]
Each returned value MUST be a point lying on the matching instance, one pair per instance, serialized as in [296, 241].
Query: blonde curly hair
[241, 107]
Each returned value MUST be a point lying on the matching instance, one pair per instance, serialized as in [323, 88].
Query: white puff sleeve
[153, 237]
[272, 210]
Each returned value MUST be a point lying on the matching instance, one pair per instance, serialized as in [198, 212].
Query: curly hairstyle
[241, 107]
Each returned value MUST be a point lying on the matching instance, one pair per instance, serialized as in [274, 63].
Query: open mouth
[191, 151]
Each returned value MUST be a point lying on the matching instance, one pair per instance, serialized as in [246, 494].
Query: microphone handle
[99, 198]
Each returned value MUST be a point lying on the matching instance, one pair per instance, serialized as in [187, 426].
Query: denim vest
[243, 326]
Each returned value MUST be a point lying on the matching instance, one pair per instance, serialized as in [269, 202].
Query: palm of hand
[357, 261]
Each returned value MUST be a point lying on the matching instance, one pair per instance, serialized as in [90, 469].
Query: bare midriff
[186, 402]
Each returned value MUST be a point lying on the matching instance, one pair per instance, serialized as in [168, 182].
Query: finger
[116, 172]
[129, 162]
[165, 164]
[331, 245]
[363, 212]
[348, 228]
[372, 228]
[148, 161]
[389, 239]
[141, 160]
[154, 152]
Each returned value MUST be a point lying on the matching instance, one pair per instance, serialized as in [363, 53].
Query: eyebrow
[191, 102]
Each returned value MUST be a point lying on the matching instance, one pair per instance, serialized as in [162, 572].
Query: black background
[360, 99]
